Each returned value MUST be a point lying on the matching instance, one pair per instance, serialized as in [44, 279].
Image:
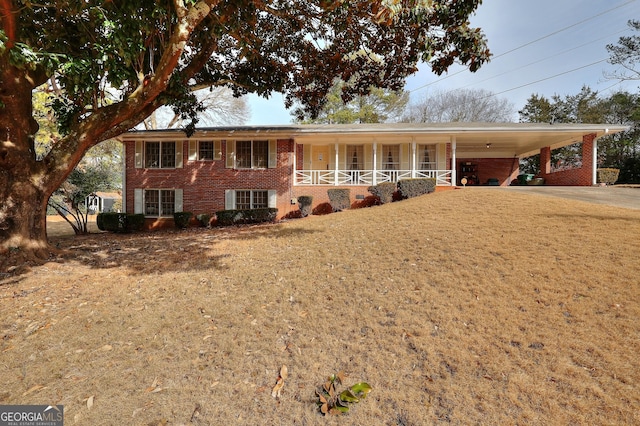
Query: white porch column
[594, 162]
[335, 175]
[374, 180]
[413, 157]
[295, 163]
[454, 178]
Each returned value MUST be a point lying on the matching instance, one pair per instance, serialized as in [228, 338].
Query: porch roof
[480, 140]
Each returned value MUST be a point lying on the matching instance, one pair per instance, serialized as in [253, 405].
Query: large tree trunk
[24, 186]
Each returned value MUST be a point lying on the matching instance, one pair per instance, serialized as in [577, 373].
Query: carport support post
[594, 163]
[454, 178]
[545, 161]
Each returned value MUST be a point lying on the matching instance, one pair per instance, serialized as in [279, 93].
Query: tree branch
[8, 22]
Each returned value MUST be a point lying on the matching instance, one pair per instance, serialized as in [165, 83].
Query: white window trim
[194, 150]
[272, 154]
[230, 198]
[139, 201]
[141, 153]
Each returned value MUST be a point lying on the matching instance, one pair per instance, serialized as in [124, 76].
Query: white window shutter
[441, 155]
[405, 156]
[139, 154]
[273, 154]
[332, 157]
[178, 205]
[137, 201]
[179, 149]
[229, 199]
[272, 198]
[342, 157]
[307, 157]
[193, 150]
[368, 157]
[231, 155]
[217, 150]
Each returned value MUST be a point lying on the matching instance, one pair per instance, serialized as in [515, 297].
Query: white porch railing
[365, 177]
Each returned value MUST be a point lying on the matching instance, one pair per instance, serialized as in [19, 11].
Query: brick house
[269, 166]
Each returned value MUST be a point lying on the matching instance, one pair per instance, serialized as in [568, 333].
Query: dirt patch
[465, 307]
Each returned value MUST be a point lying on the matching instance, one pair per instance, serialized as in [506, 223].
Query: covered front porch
[451, 153]
[358, 164]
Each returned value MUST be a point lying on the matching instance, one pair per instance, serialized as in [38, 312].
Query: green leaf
[361, 389]
[348, 396]
[338, 409]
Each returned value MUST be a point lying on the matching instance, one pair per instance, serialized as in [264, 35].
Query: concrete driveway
[628, 197]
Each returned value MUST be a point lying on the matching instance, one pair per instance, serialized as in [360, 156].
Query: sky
[543, 47]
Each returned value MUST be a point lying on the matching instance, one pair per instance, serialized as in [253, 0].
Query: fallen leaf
[90, 402]
[277, 388]
[107, 348]
[34, 389]
[284, 372]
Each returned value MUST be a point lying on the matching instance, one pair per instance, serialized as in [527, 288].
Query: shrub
[384, 191]
[630, 172]
[120, 222]
[293, 214]
[236, 217]
[135, 222]
[608, 176]
[339, 199]
[181, 219]
[203, 219]
[410, 188]
[322, 209]
[368, 201]
[304, 204]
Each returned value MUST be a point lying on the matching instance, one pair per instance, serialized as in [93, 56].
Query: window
[160, 155]
[245, 199]
[205, 150]
[355, 157]
[251, 200]
[427, 157]
[390, 157]
[159, 202]
[252, 154]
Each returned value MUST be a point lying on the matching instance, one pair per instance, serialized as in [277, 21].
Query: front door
[320, 157]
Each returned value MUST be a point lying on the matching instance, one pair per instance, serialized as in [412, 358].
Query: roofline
[302, 130]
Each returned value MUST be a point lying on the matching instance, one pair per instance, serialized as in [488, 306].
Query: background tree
[220, 108]
[117, 62]
[626, 55]
[464, 105]
[587, 107]
[379, 106]
[70, 199]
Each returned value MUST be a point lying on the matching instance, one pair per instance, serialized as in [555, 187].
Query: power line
[544, 59]
[550, 77]
[564, 29]
[528, 44]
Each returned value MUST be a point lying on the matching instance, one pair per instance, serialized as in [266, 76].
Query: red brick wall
[204, 182]
[582, 176]
[503, 169]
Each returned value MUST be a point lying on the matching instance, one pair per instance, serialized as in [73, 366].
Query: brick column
[545, 161]
[586, 177]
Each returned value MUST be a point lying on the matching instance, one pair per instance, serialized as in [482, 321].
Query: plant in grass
[330, 401]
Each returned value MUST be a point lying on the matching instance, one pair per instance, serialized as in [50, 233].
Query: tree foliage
[70, 199]
[588, 107]
[460, 106]
[110, 64]
[626, 55]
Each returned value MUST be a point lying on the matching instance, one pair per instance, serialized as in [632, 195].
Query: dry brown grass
[469, 307]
